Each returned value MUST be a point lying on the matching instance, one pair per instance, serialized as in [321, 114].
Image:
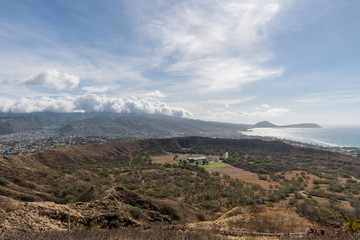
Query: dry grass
[115, 234]
[270, 223]
[241, 174]
[8, 204]
[259, 219]
[162, 159]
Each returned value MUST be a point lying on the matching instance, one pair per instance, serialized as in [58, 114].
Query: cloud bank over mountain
[91, 103]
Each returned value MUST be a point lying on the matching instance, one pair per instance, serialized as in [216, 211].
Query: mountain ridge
[125, 125]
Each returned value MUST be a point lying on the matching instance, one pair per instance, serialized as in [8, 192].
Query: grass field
[214, 165]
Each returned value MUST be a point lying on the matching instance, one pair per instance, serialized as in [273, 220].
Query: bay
[326, 136]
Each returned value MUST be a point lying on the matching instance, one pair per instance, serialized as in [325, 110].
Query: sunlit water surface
[327, 136]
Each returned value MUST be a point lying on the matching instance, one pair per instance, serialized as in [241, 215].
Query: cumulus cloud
[155, 94]
[54, 79]
[90, 89]
[91, 103]
[42, 104]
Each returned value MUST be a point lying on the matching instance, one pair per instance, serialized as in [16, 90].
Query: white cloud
[91, 103]
[230, 101]
[43, 104]
[223, 74]
[90, 89]
[54, 79]
[216, 44]
[221, 115]
[207, 27]
[270, 112]
[155, 94]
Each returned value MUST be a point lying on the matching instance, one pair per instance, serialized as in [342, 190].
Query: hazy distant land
[267, 124]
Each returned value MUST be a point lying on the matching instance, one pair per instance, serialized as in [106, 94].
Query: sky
[236, 61]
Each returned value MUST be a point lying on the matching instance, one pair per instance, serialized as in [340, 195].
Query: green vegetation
[59, 144]
[135, 212]
[352, 224]
[214, 165]
[324, 213]
[70, 194]
[93, 225]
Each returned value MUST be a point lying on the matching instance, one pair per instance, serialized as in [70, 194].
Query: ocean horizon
[328, 136]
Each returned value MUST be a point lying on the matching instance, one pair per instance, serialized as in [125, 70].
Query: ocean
[326, 136]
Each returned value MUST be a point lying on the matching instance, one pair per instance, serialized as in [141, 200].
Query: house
[198, 161]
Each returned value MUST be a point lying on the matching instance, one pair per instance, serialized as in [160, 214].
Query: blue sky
[233, 61]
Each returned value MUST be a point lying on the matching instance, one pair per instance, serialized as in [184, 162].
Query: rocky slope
[117, 208]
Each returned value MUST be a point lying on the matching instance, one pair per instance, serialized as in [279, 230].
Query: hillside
[18, 124]
[116, 208]
[140, 182]
[111, 124]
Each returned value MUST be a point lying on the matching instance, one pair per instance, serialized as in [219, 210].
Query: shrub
[325, 213]
[93, 225]
[132, 186]
[27, 198]
[173, 212]
[3, 181]
[209, 205]
[262, 177]
[351, 224]
[200, 216]
[336, 187]
[17, 179]
[69, 198]
[135, 212]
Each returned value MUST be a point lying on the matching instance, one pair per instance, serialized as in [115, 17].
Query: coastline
[338, 139]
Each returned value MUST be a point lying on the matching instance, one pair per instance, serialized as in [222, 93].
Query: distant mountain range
[125, 125]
